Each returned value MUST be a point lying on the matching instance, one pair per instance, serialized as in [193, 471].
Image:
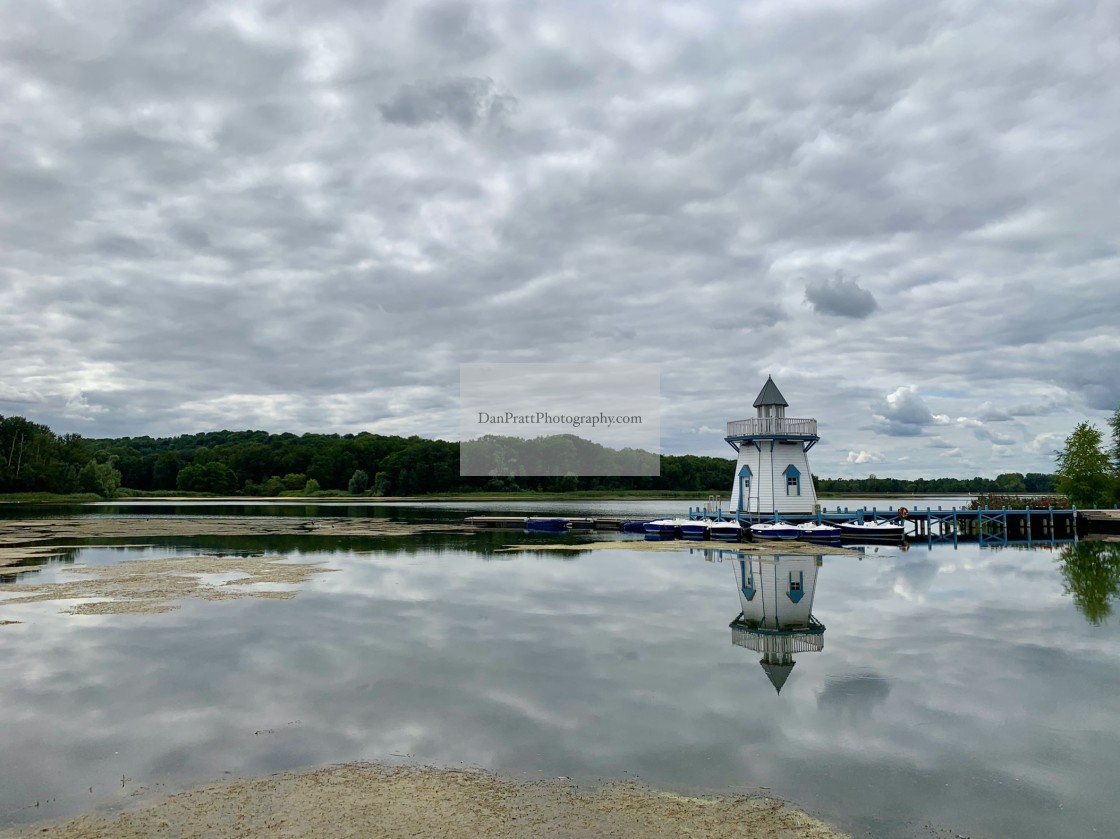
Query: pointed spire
[770, 395]
[778, 673]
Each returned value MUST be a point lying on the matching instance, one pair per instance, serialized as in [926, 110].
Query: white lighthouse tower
[776, 599]
[772, 471]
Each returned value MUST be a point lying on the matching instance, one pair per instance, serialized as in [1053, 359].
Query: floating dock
[931, 525]
[941, 525]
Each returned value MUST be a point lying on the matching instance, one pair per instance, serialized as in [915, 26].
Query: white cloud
[11, 394]
[1045, 443]
[904, 413]
[864, 457]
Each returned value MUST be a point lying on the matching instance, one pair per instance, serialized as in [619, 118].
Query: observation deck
[784, 428]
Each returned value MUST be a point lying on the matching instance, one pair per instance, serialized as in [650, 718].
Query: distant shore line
[334, 497]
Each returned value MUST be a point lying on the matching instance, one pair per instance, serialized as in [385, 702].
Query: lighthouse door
[745, 489]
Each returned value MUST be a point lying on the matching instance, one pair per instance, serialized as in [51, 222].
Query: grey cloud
[466, 102]
[840, 296]
[993, 437]
[458, 28]
[1039, 409]
[988, 412]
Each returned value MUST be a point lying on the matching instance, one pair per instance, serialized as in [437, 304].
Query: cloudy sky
[306, 216]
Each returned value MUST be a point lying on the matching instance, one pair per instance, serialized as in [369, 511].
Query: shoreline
[605, 495]
[372, 801]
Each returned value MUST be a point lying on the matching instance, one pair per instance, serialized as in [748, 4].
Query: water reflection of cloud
[611, 663]
[913, 576]
[854, 696]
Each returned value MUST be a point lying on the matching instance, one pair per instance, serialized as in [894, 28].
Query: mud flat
[373, 801]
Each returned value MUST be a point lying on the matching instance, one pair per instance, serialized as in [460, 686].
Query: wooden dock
[1099, 521]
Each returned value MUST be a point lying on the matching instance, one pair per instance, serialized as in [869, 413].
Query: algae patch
[150, 586]
[19, 537]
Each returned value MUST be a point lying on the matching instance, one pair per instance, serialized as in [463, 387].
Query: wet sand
[372, 801]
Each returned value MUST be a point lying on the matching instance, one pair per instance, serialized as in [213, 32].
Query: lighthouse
[772, 474]
[776, 617]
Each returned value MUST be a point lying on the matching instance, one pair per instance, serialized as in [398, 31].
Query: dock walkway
[938, 524]
[929, 524]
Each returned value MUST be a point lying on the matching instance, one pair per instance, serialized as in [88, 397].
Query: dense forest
[35, 459]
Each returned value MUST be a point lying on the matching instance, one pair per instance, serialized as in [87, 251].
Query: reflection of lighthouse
[776, 597]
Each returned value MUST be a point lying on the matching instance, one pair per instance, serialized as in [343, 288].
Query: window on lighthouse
[796, 586]
[793, 480]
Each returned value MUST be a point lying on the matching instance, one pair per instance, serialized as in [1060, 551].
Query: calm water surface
[961, 688]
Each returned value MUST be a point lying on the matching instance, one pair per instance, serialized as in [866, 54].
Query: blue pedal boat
[546, 525]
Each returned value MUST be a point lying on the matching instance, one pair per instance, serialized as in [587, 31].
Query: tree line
[35, 459]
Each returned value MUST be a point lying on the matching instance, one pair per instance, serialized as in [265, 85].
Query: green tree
[294, 481]
[359, 482]
[100, 478]
[207, 477]
[165, 470]
[311, 487]
[1083, 468]
[382, 483]
[1011, 482]
[1091, 573]
[1114, 421]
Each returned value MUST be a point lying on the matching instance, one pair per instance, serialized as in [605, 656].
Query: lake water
[957, 687]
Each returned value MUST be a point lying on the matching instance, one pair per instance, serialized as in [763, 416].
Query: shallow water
[957, 687]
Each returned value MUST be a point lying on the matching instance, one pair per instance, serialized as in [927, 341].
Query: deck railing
[809, 639]
[772, 426]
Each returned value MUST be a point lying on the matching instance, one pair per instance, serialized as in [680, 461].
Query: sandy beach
[372, 801]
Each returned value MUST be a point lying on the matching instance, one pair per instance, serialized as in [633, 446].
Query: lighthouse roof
[770, 395]
[778, 673]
